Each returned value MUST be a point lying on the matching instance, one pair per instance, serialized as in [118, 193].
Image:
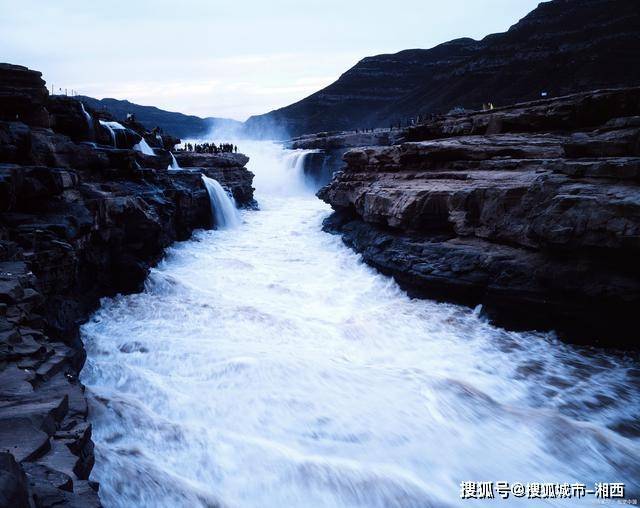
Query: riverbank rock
[79, 220]
[211, 160]
[537, 220]
[226, 168]
[23, 95]
[343, 139]
[326, 149]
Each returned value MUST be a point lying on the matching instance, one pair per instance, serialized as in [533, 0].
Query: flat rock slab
[19, 437]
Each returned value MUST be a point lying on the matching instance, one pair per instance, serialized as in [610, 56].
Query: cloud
[227, 58]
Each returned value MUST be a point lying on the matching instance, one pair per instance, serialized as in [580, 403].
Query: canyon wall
[561, 47]
[532, 211]
[79, 219]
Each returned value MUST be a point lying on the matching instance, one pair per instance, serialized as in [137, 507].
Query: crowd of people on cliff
[409, 122]
[210, 148]
[426, 117]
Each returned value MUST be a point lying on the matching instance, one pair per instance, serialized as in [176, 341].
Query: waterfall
[143, 147]
[281, 171]
[112, 127]
[267, 366]
[295, 161]
[223, 207]
[87, 116]
[174, 163]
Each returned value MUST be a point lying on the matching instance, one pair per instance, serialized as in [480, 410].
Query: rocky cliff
[563, 46]
[80, 219]
[532, 211]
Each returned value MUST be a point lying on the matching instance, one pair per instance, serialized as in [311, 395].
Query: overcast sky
[230, 59]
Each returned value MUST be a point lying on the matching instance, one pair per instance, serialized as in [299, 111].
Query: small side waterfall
[223, 207]
[143, 147]
[87, 116]
[112, 127]
[174, 163]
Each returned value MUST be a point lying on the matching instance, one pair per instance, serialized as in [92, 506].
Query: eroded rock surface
[79, 219]
[541, 225]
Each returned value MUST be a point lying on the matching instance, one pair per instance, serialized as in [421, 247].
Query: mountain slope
[562, 46]
[177, 124]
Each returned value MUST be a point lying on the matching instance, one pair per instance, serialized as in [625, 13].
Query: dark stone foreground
[79, 220]
[532, 211]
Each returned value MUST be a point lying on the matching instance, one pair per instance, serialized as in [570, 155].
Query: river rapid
[266, 366]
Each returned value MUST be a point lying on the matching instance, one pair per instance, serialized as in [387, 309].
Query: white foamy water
[143, 147]
[87, 116]
[112, 127]
[223, 206]
[174, 163]
[267, 366]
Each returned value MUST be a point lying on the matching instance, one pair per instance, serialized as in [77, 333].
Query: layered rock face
[561, 47]
[329, 148]
[79, 220]
[349, 139]
[227, 168]
[532, 211]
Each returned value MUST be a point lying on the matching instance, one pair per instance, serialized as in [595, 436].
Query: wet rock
[20, 438]
[615, 143]
[11, 291]
[13, 483]
[15, 142]
[349, 139]
[592, 109]
[210, 160]
[42, 474]
[239, 183]
[78, 220]
[23, 95]
[541, 228]
[69, 117]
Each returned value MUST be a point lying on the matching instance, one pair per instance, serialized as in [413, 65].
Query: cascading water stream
[143, 147]
[267, 366]
[223, 207]
[87, 117]
[112, 127]
[174, 163]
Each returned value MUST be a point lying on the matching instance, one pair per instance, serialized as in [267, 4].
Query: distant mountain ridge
[561, 47]
[177, 124]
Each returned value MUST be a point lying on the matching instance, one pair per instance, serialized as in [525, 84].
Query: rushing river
[267, 366]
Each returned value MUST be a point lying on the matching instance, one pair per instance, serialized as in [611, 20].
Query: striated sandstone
[79, 220]
[542, 228]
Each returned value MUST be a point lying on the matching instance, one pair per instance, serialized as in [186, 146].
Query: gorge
[267, 366]
[421, 277]
[85, 210]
